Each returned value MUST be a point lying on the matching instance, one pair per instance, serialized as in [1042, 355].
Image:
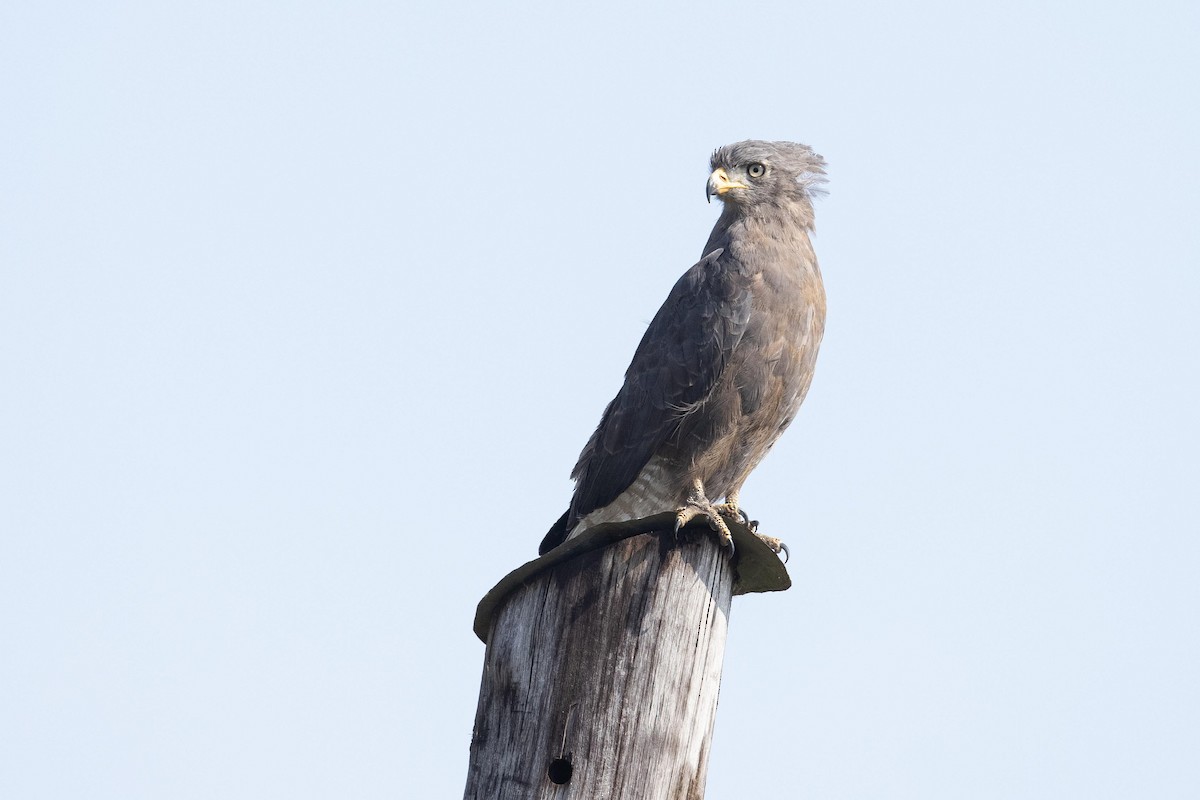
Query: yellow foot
[702, 508]
[731, 509]
[777, 546]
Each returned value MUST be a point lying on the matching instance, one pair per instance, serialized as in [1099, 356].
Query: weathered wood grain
[611, 663]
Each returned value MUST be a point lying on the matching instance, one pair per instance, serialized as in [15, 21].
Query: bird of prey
[725, 363]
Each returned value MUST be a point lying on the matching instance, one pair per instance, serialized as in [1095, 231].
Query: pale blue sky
[306, 311]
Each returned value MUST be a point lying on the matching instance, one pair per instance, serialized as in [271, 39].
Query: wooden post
[603, 666]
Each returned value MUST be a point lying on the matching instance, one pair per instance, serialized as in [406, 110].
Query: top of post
[756, 566]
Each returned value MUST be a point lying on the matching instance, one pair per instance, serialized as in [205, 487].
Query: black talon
[786, 553]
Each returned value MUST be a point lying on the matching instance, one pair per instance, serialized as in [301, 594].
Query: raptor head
[752, 173]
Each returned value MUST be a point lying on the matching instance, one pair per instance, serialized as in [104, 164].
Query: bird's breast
[771, 370]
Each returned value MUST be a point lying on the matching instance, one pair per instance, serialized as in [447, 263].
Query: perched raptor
[725, 363]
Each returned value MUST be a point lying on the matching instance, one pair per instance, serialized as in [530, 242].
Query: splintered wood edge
[756, 567]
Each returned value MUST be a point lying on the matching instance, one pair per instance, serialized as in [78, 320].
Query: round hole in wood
[560, 770]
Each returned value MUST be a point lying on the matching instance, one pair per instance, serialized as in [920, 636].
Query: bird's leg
[731, 507]
[698, 504]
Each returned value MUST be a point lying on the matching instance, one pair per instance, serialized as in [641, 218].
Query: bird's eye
[756, 170]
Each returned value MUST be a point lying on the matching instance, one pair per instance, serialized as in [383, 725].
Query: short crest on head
[798, 161]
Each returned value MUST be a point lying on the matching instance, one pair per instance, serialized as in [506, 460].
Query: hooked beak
[719, 184]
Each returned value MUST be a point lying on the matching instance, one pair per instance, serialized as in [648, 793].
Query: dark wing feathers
[675, 367]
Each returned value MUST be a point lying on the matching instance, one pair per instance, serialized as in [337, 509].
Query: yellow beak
[719, 184]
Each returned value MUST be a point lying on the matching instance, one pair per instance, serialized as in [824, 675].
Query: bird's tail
[555, 536]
